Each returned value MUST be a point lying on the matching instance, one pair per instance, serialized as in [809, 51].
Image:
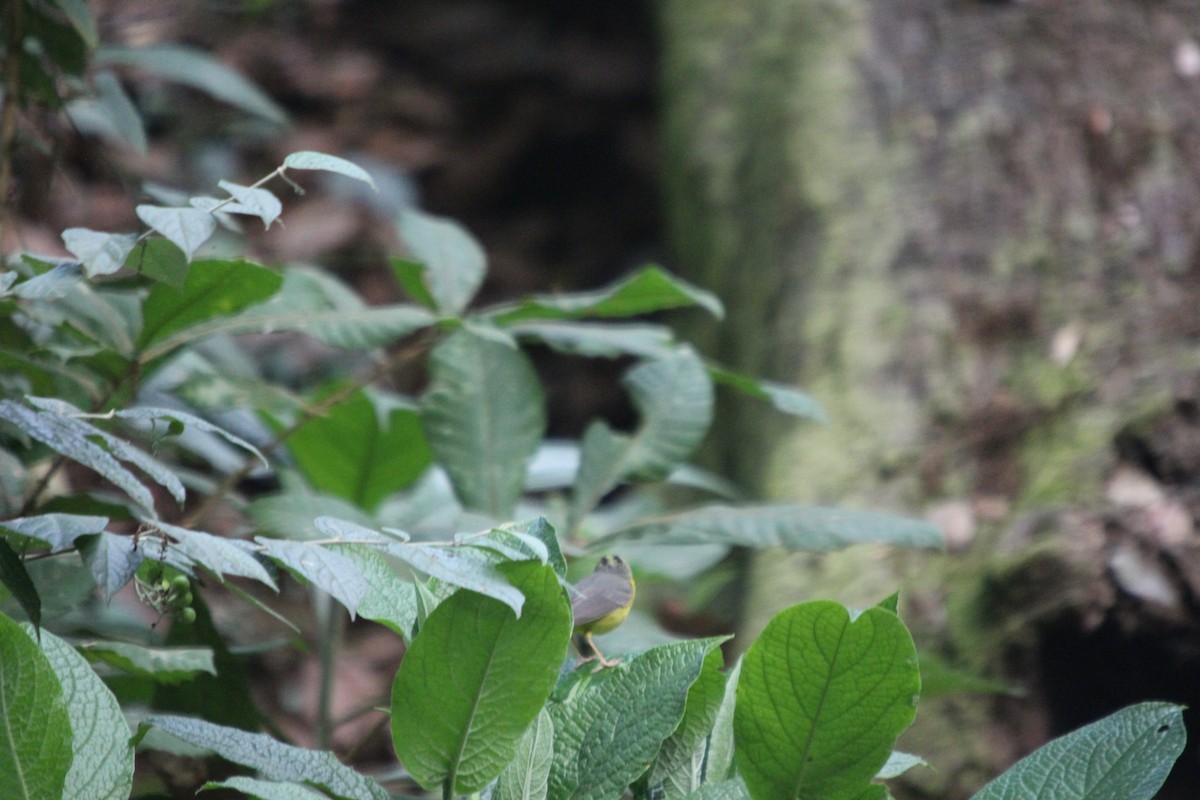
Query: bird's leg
[604, 662]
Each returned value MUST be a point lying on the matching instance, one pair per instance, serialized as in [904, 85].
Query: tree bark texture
[972, 230]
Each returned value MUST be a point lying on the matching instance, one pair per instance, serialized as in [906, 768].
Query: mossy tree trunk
[972, 230]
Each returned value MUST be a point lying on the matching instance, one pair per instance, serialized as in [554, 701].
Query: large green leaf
[527, 776]
[314, 303]
[674, 398]
[646, 291]
[1125, 756]
[362, 449]
[484, 418]
[811, 528]
[822, 696]
[199, 70]
[113, 560]
[211, 289]
[475, 678]
[189, 549]
[274, 760]
[332, 572]
[159, 664]
[71, 437]
[57, 530]
[454, 262]
[678, 770]
[266, 790]
[608, 726]
[465, 567]
[67, 418]
[102, 765]
[389, 600]
[35, 728]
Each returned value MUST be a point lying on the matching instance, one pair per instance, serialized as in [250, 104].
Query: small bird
[602, 603]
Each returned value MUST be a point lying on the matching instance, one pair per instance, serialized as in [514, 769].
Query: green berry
[181, 584]
[187, 599]
[186, 615]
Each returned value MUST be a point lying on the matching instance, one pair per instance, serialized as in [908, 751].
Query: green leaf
[821, 699]
[363, 449]
[57, 530]
[189, 549]
[484, 417]
[812, 528]
[527, 776]
[784, 398]
[16, 579]
[100, 253]
[719, 764]
[543, 531]
[160, 260]
[113, 560]
[411, 277]
[273, 759]
[598, 339]
[102, 764]
[458, 566]
[253, 201]
[199, 70]
[609, 725]
[679, 767]
[316, 304]
[185, 420]
[186, 228]
[331, 572]
[1125, 756]
[68, 416]
[35, 728]
[109, 113]
[211, 289]
[475, 678]
[453, 260]
[80, 17]
[307, 159]
[53, 284]
[172, 665]
[389, 600]
[647, 290]
[70, 437]
[674, 398]
[266, 790]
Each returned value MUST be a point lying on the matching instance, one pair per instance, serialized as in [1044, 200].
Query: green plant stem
[332, 625]
[12, 89]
